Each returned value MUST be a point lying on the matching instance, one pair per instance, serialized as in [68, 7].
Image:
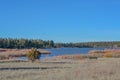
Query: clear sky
[61, 20]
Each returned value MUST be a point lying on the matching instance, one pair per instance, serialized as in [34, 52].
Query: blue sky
[61, 20]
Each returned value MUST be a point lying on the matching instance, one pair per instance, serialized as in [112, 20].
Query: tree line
[38, 43]
[109, 44]
[25, 43]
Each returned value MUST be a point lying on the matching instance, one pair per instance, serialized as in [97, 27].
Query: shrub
[33, 55]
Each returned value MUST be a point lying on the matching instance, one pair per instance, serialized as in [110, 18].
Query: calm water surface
[65, 51]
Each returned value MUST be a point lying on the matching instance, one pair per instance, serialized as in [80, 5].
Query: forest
[25, 43]
[38, 43]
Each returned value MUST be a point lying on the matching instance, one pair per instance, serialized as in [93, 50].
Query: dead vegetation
[97, 65]
[12, 53]
[105, 53]
[75, 56]
[62, 69]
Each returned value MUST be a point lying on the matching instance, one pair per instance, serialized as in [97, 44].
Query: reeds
[12, 53]
[105, 53]
[75, 56]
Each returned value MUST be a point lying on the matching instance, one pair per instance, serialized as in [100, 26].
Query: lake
[65, 51]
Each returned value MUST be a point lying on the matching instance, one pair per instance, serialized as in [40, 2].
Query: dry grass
[12, 53]
[105, 53]
[63, 69]
[75, 56]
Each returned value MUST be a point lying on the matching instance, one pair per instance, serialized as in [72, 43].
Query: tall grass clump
[108, 55]
[33, 55]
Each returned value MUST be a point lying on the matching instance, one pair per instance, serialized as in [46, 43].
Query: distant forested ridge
[38, 43]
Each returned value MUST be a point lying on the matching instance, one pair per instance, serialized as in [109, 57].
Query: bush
[33, 55]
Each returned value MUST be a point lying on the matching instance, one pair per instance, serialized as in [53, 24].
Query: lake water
[66, 51]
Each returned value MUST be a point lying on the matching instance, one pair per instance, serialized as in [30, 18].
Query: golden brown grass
[105, 53]
[75, 56]
[12, 53]
[63, 69]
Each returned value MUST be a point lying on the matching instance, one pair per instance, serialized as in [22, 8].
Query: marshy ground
[62, 69]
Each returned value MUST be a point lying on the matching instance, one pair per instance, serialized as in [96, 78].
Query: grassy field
[63, 69]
